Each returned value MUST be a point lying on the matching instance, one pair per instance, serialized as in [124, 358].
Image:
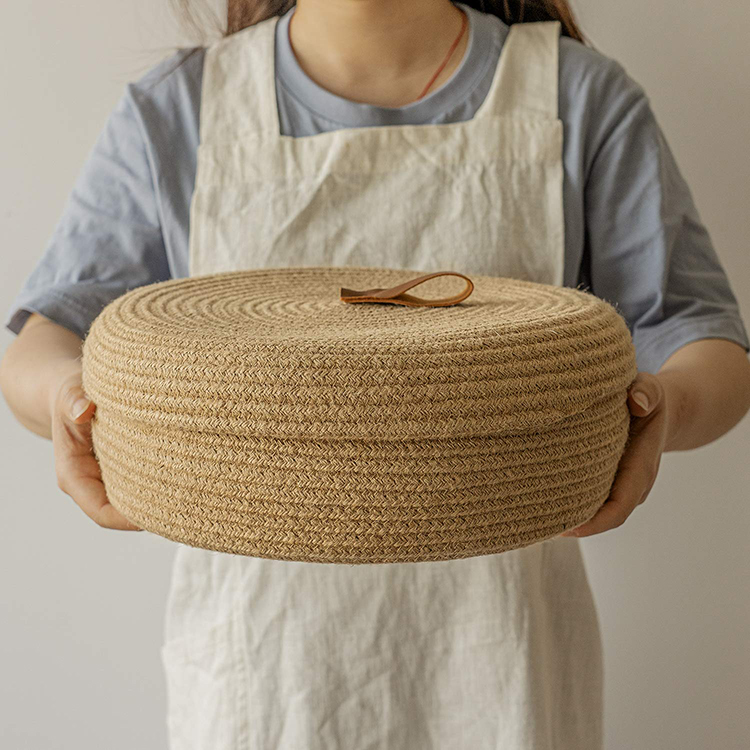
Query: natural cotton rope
[255, 412]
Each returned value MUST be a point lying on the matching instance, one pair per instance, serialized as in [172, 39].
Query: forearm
[708, 386]
[41, 354]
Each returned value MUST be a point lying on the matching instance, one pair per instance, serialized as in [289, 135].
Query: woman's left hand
[640, 461]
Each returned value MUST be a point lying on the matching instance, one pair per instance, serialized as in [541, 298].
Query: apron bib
[483, 653]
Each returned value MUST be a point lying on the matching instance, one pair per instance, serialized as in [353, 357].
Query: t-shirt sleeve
[108, 239]
[649, 252]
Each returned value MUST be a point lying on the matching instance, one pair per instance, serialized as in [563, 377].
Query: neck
[381, 52]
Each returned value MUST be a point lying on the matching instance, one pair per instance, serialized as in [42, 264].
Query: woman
[427, 134]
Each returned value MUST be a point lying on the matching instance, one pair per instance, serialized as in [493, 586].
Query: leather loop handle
[395, 294]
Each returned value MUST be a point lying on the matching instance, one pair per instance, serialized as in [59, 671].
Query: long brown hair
[244, 13]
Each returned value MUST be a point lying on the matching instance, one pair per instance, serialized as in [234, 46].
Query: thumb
[644, 394]
[78, 404]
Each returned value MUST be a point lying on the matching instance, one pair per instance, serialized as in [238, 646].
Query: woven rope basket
[257, 413]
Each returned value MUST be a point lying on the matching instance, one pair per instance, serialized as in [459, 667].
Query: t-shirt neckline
[332, 107]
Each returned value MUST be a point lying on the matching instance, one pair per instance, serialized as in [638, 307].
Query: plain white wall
[82, 607]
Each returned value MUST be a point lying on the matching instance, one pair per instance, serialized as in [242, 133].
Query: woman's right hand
[78, 473]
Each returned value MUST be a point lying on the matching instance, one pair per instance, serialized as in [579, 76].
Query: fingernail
[79, 407]
[641, 399]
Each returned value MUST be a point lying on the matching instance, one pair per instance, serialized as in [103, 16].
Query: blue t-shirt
[633, 235]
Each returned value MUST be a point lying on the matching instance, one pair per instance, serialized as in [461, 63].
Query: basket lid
[278, 352]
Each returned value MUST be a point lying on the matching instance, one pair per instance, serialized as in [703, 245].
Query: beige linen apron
[494, 652]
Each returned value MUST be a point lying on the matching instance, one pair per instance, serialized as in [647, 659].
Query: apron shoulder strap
[528, 71]
[238, 85]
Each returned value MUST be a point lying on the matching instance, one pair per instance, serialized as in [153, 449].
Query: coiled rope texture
[254, 412]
